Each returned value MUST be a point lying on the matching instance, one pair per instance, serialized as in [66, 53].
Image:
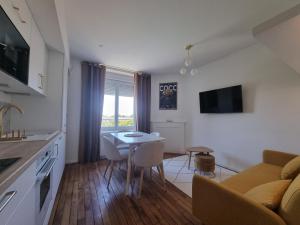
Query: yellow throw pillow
[269, 194]
[291, 169]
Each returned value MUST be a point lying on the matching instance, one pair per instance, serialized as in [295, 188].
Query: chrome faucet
[4, 109]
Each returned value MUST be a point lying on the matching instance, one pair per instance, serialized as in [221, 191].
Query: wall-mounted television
[224, 100]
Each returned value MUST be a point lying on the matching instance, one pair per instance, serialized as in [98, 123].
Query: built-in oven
[14, 51]
[44, 183]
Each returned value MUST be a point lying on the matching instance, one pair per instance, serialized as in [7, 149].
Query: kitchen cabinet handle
[56, 145]
[18, 12]
[16, 8]
[6, 199]
[41, 79]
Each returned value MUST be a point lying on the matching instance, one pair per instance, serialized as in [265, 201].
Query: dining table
[133, 139]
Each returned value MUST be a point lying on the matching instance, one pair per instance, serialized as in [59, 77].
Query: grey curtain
[92, 96]
[142, 92]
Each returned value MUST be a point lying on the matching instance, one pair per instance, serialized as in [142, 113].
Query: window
[118, 106]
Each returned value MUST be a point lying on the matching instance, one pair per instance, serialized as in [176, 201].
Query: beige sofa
[225, 203]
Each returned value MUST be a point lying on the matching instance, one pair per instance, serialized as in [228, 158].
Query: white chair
[113, 154]
[157, 134]
[148, 155]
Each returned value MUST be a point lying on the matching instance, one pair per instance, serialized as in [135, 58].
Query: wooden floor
[83, 199]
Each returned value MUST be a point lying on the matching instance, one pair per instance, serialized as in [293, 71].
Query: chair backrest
[155, 133]
[149, 154]
[289, 208]
[109, 149]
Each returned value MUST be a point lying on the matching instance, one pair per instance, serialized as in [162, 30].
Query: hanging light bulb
[188, 61]
[183, 71]
[194, 72]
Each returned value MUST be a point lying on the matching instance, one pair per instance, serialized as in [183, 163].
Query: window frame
[116, 116]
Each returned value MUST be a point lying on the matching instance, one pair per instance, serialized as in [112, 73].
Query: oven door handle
[46, 170]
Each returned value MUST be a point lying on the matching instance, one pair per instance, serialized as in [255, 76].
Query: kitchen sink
[7, 162]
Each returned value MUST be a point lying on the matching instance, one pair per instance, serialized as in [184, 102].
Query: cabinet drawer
[20, 187]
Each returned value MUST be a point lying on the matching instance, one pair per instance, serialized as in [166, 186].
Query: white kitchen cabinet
[59, 166]
[23, 188]
[20, 15]
[25, 211]
[37, 78]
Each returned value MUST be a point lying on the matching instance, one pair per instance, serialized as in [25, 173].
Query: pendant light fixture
[187, 67]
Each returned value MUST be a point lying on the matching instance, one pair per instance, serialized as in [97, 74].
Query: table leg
[162, 172]
[190, 160]
[128, 172]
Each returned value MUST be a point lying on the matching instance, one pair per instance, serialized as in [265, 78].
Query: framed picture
[168, 96]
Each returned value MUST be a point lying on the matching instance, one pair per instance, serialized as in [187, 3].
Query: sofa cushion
[291, 169]
[269, 194]
[252, 177]
[290, 205]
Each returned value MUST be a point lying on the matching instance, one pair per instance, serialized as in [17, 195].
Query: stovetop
[5, 163]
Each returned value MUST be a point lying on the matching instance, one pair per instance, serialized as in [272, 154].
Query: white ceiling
[44, 13]
[150, 35]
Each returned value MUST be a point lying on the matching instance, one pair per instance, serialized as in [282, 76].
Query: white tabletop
[136, 140]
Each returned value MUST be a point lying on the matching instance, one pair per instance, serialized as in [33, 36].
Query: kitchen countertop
[27, 150]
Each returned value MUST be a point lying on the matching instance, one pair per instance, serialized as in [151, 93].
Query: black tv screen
[225, 100]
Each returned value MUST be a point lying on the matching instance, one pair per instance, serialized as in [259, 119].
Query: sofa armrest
[277, 158]
[215, 204]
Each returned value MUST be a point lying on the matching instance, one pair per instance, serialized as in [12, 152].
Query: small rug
[177, 172]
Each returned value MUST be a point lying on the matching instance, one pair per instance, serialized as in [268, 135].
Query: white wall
[271, 101]
[43, 113]
[73, 109]
[4, 97]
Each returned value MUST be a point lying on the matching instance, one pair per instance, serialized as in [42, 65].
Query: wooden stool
[200, 149]
[205, 163]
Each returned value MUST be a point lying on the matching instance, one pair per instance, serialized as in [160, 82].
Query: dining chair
[113, 154]
[148, 155]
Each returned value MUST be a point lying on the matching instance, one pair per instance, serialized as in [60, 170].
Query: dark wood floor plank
[61, 203]
[100, 198]
[121, 201]
[89, 215]
[83, 199]
[112, 209]
[94, 198]
[126, 204]
[81, 209]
